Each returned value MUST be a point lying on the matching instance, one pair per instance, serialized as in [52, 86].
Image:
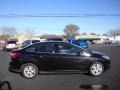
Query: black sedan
[57, 55]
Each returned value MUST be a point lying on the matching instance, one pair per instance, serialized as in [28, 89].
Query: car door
[48, 56]
[72, 58]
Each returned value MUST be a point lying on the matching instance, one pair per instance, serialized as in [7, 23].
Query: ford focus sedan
[57, 55]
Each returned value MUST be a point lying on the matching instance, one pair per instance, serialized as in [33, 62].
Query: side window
[68, 49]
[32, 48]
[64, 49]
[50, 48]
[42, 48]
[46, 48]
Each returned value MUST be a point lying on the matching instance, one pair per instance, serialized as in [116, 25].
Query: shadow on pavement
[93, 87]
[5, 85]
[59, 73]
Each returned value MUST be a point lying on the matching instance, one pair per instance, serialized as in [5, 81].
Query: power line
[57, 15]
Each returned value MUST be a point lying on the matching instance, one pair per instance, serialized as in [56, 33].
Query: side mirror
[79, 53]
[83, 53]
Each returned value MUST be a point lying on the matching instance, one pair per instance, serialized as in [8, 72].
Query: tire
[5, 50]
[29, 71]
[96, 68]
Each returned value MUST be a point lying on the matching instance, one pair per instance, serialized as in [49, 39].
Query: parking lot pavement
[107, 45]
[66, 81]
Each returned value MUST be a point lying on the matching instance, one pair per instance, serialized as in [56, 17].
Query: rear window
[35, 41]
[32, 48]
[11, 42]
[27, 42]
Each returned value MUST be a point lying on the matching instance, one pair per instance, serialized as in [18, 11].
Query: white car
[29, 42]
[10, 45]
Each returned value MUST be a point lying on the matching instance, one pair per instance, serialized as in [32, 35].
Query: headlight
[106, 57]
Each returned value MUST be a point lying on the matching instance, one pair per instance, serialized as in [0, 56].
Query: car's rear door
[48, 56]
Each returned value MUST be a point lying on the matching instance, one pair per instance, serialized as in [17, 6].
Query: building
[92, 38]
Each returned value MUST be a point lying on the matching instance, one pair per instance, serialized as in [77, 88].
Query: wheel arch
[29, 63]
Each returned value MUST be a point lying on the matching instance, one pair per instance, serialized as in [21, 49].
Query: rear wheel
[29, 71]
[4, 49]
[96, 68]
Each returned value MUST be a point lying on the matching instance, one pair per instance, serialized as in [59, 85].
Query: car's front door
[72, 58]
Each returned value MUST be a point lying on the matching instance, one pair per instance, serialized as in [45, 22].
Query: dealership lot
[65, 80]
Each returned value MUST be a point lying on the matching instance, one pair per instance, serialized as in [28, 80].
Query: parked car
[54, 55]
[10, 45]
[108, 42]
[29, 42]
[83, 44]
[54, 39]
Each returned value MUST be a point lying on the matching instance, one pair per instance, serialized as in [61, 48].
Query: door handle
[40, 56]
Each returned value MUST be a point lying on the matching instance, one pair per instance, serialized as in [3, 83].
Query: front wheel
[96, 68]
[29, 71]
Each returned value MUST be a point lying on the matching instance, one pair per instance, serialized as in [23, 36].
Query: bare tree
[113, 33]
[8, 31]
[93, 34]
[71, 30]
[46, 36]
[84, 33]
[29, 32]
[0, 30]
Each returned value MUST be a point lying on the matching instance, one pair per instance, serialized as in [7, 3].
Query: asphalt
[110, 80]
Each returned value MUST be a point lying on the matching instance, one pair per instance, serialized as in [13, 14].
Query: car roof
[59, 39]
[46, 42]
[32, 40]
[57, 42]
[52, 42]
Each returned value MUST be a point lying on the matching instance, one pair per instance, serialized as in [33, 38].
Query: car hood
[97, 54]
[100, 55]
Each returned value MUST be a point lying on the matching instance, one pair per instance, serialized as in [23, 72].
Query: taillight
[15, 55]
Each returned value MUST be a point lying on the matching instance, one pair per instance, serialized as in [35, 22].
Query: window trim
[30, 47]
[55, 51]
[72, 45]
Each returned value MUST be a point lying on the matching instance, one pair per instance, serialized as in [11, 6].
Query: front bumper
[107, 64]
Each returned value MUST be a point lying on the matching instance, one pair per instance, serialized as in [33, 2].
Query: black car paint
[57, 61]
[100, 55]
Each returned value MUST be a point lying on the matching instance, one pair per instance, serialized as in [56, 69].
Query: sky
[56, 25]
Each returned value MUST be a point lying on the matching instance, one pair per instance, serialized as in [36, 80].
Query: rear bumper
[14, 67]
[13, 70]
